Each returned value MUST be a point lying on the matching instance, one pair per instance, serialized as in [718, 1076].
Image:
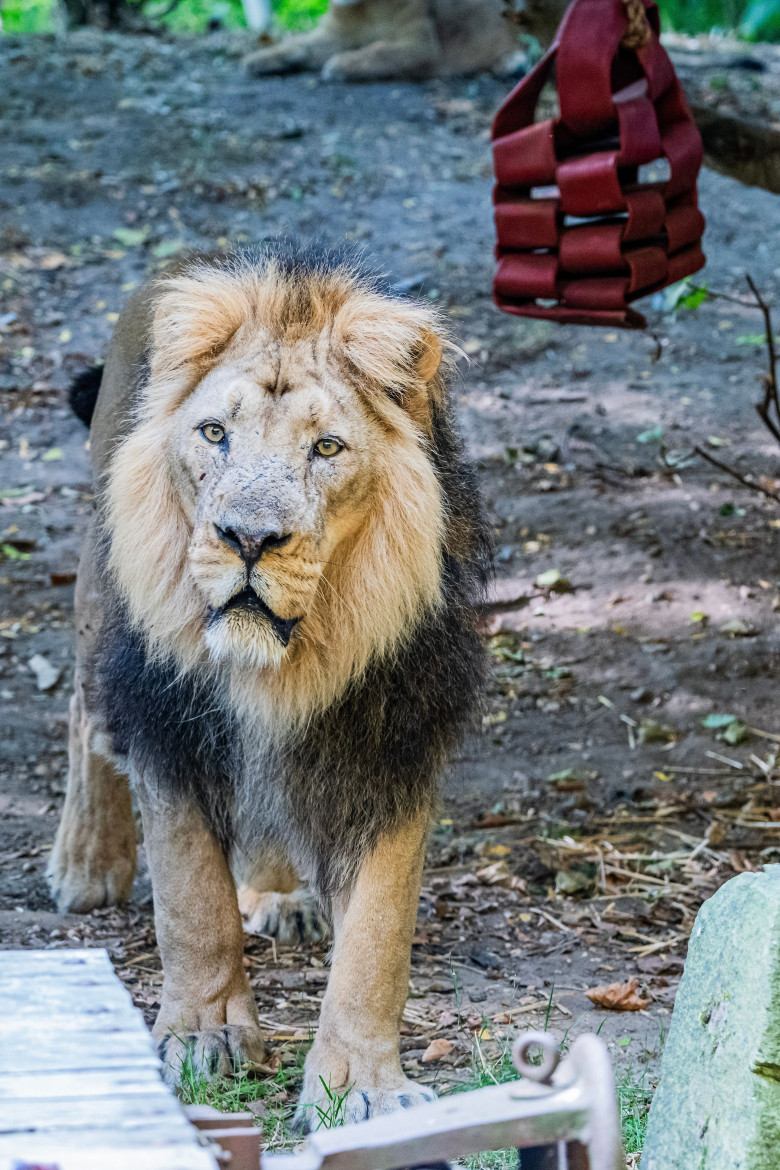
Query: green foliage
[28, 16]
[13, 554]
[189, 16]
[299, 14]
[755, 20]
[684, 295]
[761, 21]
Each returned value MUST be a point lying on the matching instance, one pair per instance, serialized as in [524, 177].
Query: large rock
[718, 1102]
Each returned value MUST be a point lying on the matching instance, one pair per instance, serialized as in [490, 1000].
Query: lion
[375, 40]
[277, 617]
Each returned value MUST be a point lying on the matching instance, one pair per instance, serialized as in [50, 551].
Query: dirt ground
[584, 825]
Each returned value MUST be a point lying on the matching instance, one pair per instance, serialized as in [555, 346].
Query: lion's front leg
[208, 1018]
[356, 1051]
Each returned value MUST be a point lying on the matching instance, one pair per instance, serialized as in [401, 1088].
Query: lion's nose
[251, 546]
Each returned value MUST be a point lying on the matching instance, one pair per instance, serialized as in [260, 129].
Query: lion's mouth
[249, 601]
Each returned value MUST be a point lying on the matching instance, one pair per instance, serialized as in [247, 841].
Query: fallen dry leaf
[499, 874]
[50, 260]
[436, 1050]
[619, 997]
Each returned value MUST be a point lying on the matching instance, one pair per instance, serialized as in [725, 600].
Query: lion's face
[275, 504]
[274, 457]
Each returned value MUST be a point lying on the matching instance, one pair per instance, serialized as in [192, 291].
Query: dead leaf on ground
[436, 1050]
[554, 582]
[737, 628]
[48, 261]
[499, 874]
[651, 731]
[619, 997]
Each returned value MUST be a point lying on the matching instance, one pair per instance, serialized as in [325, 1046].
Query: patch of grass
[493, 1160]
[488, 1068]
[331, 1115]
[635, 1092]
[229, 1094]
[233, 1093]
[495, 1068]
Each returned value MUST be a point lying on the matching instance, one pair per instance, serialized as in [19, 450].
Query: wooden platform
[80, 1087]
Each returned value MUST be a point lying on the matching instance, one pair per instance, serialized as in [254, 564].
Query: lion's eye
[327, 447]
[212, 432]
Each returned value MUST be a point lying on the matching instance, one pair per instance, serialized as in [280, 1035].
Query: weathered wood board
[79, 1077]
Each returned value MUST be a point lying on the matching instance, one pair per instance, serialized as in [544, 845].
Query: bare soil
[592, 780]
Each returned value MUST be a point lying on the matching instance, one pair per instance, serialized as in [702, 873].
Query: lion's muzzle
[249, 602]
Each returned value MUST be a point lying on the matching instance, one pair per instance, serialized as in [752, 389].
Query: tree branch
[748, 483]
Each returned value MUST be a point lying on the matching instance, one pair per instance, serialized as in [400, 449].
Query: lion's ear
[197, 314]
[395, 349]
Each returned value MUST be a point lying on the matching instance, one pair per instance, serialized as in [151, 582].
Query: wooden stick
[756, 487]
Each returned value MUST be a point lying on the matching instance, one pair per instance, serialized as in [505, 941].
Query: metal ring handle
[551, 1054]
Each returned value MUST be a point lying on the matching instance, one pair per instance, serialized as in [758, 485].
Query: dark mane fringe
[177, 730]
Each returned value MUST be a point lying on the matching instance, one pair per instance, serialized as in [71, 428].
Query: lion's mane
[323, 756]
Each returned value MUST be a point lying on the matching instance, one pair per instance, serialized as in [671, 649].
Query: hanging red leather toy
[579, 234]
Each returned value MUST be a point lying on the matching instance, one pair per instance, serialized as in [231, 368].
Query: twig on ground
[770, 382]
[748, 483]
[769, 408]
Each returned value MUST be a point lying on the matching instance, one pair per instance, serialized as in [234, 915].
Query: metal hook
[551, 1054]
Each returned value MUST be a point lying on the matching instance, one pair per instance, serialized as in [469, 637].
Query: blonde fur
[378, 357]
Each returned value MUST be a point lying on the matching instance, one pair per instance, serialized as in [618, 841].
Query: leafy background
[189, 16]
[757, 20]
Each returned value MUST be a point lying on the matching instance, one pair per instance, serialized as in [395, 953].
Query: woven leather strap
[597, 237]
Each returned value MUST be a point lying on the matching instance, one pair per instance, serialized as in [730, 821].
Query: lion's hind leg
[94, 856]
[275, 904]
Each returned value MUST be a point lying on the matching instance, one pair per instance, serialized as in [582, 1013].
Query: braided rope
[639, 31]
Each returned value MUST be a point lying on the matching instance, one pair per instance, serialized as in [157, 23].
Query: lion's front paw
[328, 1107]
[210, 1054]
[292, 919]
[84, 873]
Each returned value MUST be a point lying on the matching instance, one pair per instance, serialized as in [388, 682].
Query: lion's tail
[83, 392]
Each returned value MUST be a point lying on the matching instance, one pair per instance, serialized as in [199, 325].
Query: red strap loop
[621, 110]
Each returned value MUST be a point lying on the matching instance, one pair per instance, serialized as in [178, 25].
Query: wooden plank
[94, 1084]
[90, 1025]
[57, 960]
[157, 1132]
[184, 1156]
[80, 1085]
[65, 1000]
[35, 1114]
[71, 1051]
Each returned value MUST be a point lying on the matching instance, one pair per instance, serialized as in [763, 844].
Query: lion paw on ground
[209, 1055]
[328, 1107]
[291, 919]
[80, 882]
